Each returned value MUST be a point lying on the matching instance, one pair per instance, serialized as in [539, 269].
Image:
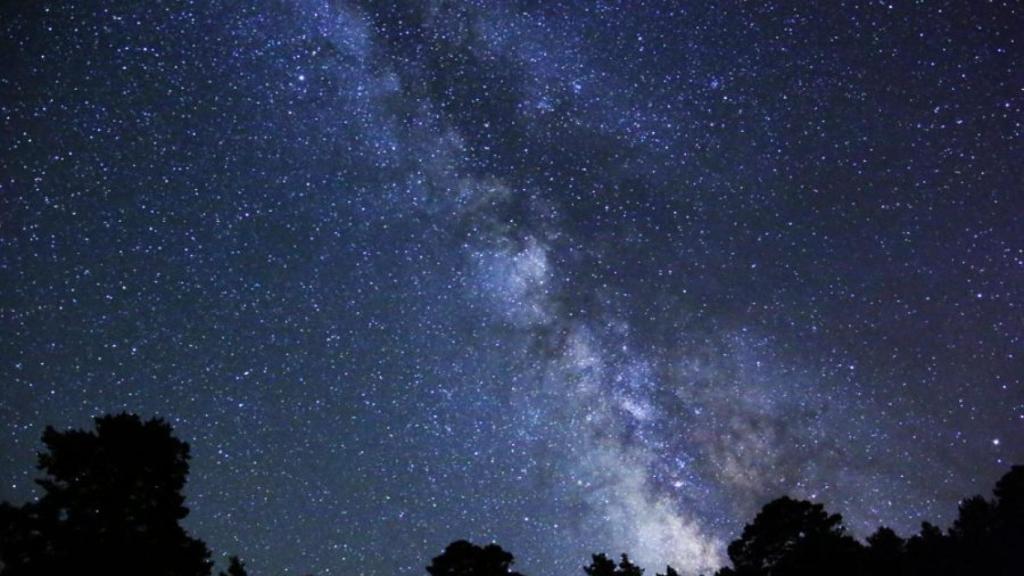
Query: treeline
[112, 501]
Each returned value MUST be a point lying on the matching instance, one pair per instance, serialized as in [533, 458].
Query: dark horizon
[566, 276]
[112, 502]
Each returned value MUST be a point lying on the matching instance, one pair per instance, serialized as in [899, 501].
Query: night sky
[570, 277]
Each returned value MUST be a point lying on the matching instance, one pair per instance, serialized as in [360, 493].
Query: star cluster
[573, 277]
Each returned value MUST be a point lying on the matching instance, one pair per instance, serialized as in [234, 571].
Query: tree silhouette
[462, 558]
[602, 565]
[235, 567]
[1008, 534]
[669, 571]
[987, 536]
[1009, 493]
[798, 538]
[627, 568]
[928, 552]
[111, 505]
[970, 538]
[884, 553]
[793, 538]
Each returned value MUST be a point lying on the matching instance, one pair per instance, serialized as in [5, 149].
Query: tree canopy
[111, 504]
[462, 558]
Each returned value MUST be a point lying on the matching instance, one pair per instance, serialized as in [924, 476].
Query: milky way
[569, 277]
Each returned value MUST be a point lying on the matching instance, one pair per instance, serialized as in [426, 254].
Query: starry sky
[574, 277]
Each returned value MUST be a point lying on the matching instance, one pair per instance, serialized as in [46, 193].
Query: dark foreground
[113, 500]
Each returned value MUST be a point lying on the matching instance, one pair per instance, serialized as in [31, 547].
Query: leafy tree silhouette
[602, 565]
[884, 553]
[1008, 532]
[793, 538]
[627, 568]
[111, 505]
[928, 552]
[462, 558]
[970, 538]
[987, 536]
